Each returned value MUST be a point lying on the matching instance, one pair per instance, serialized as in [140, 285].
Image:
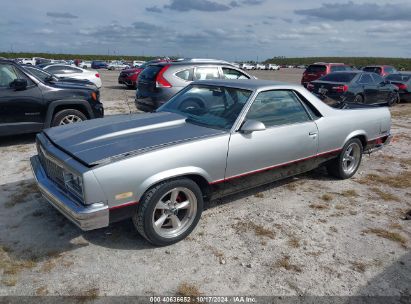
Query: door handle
[312, 133]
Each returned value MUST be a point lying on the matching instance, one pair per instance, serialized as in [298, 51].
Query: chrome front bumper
[88, 217]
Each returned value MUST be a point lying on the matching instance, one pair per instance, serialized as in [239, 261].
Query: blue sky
[226, 29]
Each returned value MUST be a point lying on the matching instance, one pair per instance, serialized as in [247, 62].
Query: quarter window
[186, 75]
[233, 74]
[279, 107]
[206, 73]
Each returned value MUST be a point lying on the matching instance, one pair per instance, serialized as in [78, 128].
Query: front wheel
[169, 212]
[349, 160]
[67, 116]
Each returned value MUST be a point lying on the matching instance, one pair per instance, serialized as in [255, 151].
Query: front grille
[53, 171]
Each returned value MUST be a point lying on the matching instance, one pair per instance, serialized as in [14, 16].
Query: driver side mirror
[250, 126]
[19, 84]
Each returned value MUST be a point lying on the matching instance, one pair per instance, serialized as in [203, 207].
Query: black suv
[158, 82]
[29, 104]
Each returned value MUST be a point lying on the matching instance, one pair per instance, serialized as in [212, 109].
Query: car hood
[99, 141]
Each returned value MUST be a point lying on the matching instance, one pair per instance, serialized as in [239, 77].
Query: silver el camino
[212, 139]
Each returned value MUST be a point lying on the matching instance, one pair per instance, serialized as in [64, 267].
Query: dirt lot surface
[309, 235]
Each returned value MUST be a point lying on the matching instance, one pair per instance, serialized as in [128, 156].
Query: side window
[7, 75]
[206, 73]
[377, 78]
[279, 107]
[233, 74]
[366, 79]
[186, 75]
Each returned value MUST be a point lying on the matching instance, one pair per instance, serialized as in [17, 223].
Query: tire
[349, 160]
[394, 99]
[358, 99]
[67, 116]
[156, 206]
[84, 67]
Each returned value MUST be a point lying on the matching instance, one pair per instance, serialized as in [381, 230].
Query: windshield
[398, 77]
[211, 106]
[40, 74]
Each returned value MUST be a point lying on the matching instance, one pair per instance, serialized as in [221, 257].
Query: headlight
[74, 184]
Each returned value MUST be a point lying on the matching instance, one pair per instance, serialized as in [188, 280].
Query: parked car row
[341, 83]
[259, 66]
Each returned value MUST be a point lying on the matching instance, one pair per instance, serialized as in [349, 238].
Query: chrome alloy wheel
[174, 212]
[69, 119]
[351, 158]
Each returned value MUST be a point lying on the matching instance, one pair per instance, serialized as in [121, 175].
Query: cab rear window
[316, 68]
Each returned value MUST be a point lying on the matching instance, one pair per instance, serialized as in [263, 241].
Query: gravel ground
[308, 235]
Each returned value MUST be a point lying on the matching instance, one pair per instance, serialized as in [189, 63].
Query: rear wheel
[393, 99]
[67, 116]
[168, 212]
[349, 160]
[358, 99]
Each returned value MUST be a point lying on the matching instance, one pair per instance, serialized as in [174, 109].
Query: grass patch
[23, 192]
[258, 229]
[385, 196]
[188, 290]
[389, 235]
[11, 266]
[327, 197]
[359, 266]
[285, 263]
[9, 281]
[42, 291]
[294, 242]
[340, 206]
[349, 193]
[399, 181]
[318, 206]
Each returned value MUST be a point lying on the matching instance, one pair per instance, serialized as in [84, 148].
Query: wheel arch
[58, 105]
[198, 175]
[360, 134]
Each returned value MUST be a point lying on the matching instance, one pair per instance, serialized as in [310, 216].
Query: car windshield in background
[398, 77]
[390, 70]
[211, 106]
[372, 70]
[339, 77]
[315, 68]
[339, 68]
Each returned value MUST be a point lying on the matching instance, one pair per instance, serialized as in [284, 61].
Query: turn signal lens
[94, 96]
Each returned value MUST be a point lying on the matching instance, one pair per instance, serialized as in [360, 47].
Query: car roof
[377, 66]
[192, 63]
[328, 63]
[246, 84]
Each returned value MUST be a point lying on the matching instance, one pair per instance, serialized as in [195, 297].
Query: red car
[129, 77]
[320, 69]
[382, 70]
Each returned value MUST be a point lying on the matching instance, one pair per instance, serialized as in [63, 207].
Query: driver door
[286, 147]
[21, 111]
